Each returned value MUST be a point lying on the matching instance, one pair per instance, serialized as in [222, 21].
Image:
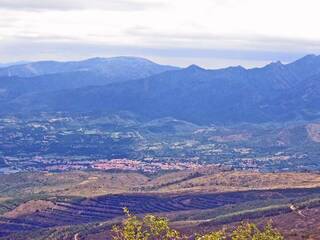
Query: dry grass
[241, 181]
[90, 184]
[83, 184]
[102, 184]
[29, 208]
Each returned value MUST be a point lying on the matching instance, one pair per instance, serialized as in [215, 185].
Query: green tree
[157, 228]
[249, 231]
[148, 228]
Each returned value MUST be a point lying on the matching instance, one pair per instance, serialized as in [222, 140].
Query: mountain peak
[310, 56]
[236, 68]
[194, 67]
[277, 64]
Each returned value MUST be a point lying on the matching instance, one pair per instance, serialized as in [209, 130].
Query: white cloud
[284, 26]
[64, 5]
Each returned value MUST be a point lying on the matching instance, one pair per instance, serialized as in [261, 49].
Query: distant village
[64, 143]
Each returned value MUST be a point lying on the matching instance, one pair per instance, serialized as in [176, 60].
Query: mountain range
[46, 76]
[274, 93]
[124, 68]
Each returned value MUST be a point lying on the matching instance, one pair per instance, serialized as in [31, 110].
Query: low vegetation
[33, 205]
[152, 227]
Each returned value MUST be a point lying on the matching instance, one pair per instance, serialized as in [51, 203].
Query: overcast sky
[210, 33]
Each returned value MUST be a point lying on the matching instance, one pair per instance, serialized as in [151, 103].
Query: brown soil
[30, 208]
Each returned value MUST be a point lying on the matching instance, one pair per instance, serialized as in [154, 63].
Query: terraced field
[99, 209]
[60, 205]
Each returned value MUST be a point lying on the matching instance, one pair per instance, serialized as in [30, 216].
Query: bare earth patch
[231, 138]
[30, 208]
[242, 181]
[314, 131]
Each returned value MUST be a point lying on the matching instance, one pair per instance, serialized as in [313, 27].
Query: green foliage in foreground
[157, 228]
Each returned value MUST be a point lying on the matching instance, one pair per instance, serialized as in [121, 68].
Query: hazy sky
[210, 33]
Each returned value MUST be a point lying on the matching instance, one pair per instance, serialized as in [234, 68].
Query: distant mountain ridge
[276, 92]
[115, 67]
[46, 76]
[8, 64]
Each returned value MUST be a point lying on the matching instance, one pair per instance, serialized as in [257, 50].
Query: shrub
[149, 228]
[249, 231]
[157, 228]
